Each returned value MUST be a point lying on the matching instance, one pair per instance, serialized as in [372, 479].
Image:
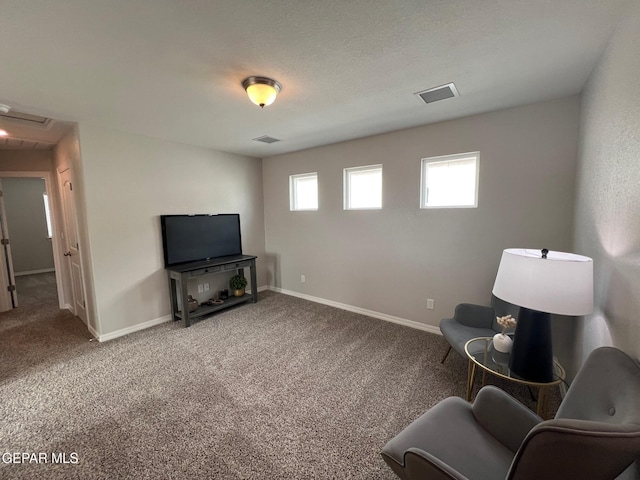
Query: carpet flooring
[280, 389]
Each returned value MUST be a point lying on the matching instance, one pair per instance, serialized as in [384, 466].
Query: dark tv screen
[190, 238]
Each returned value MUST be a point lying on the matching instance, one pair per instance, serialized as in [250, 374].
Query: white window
[47, 213]
[363, 187]
[450, 181]
[303, 191]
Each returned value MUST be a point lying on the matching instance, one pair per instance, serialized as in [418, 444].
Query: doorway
[28, 228]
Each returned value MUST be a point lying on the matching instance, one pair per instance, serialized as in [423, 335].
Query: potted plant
[237, 284]
[501, 341]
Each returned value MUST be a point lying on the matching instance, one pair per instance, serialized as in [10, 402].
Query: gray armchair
[595, 434]
[471, 321]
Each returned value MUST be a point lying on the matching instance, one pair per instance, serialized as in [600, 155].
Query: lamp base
[532, 351]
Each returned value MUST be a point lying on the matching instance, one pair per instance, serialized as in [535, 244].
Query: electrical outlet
[429, 303]
[303, 279]
[206, 287]
[200, 288]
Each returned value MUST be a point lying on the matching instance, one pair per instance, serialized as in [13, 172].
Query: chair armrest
[472, 315]
[505, 418]
[576, 449]
[420, 465]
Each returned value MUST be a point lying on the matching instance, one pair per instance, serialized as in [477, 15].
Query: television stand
[179, 276]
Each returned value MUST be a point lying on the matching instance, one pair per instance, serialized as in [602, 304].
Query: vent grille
[266, 139]
[25, 118]
[24, 144]
[438, 93]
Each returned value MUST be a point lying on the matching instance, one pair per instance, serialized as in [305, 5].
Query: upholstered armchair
[471, 321]
[595, 433]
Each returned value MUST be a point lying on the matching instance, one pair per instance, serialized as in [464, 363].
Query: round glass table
[482, 354]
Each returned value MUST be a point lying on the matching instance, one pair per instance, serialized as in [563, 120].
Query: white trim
[343, 306]
[134, 328]
[142, 326]
[33, 272]
[91, 330]
[362, 311]
[446, 159]
[346, 185]
[293, 191]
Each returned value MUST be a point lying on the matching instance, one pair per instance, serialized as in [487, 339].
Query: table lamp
[541, 283]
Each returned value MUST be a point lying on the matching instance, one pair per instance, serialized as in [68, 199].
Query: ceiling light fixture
[3, 133]
[261, 90]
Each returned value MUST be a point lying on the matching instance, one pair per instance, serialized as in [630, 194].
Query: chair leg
[446, 354]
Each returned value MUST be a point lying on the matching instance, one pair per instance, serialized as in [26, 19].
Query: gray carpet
[284, 388]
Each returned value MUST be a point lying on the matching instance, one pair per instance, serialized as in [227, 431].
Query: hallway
[29, 333]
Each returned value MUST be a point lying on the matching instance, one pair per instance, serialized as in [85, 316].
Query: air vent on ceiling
[438, 93]
[266, 139]
[24, 144]
[26, 118]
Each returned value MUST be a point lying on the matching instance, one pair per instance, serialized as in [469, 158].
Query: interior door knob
[67, 254]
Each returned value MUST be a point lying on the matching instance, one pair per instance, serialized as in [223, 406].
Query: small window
[363, 187]
[450, 181]
[303, 191]
[47, 214]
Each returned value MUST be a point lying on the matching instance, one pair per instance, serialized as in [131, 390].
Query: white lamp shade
[560, 284]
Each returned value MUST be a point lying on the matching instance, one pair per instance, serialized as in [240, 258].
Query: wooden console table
[179, 276]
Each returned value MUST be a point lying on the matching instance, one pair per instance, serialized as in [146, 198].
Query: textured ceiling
[172, 69]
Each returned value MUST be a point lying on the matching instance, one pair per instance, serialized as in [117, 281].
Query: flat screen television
[190, 238]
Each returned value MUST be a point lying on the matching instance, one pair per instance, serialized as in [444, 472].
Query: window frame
[442, 159]
[346, 186]
[293, 189]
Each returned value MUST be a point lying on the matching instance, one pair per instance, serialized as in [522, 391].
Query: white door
[8, 296]
[72, 252]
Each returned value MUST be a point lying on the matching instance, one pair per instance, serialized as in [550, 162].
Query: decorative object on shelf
[237, 284]
[542, 283]
[501, 341]
[223, 294]
[192, 304]
[212, 301]
[261, 90]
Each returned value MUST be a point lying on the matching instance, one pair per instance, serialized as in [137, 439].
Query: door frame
[48, 184]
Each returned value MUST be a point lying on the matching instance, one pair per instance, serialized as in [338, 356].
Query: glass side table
[482, 354]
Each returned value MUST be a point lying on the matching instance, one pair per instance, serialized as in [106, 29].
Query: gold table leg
[471, 376]
[542, 401]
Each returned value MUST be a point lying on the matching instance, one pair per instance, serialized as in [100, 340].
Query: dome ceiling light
[261, 90]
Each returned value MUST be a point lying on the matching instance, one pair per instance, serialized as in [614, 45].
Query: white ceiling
[172, 69]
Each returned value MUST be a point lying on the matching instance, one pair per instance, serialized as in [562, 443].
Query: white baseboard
[343, 306]
[134, 328]
[33, 272]
[141, 326]
[92, 332]
[362, 311]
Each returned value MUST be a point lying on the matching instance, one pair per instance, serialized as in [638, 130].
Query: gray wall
[608, 193]
[126, 182]
[390, 261]
[30, 246]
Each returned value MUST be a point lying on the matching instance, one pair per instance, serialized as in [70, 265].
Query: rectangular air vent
[438, 93]
[26, 118]
[266, 139]
[24, 144]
